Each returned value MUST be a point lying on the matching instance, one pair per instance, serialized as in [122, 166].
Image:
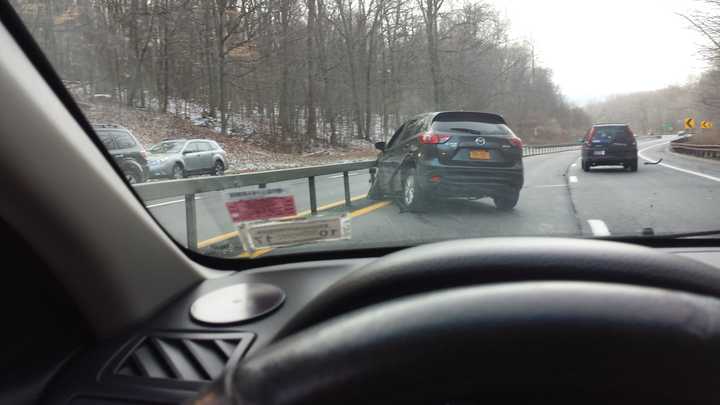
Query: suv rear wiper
[469, 131]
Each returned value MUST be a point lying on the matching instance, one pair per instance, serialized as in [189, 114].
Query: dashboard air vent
[184, 357]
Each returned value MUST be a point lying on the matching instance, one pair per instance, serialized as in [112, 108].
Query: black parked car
[610, 145]
[451, 154]
[128, 153]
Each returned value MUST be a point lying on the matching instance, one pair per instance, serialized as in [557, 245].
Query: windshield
[167, 147]
[338, 125]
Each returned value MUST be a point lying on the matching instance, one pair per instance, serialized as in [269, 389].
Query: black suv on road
[610, 145]
[450, 154]
[128, 153]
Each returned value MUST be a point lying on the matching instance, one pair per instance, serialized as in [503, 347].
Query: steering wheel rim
[466, 262]
[656, 337]
[598, 343]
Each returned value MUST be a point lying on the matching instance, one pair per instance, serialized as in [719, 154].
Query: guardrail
[703, 151]
[534, 150]
[190, 187]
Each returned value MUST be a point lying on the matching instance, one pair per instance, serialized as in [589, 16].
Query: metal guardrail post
[346, 183]
[313, 196]
[191, 221]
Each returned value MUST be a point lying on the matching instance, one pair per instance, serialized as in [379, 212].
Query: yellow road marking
[305, 213]
[257, 253]
[370, 208]
[216, 239]
[225, 236]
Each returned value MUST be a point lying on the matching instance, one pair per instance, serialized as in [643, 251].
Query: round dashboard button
[237, 303]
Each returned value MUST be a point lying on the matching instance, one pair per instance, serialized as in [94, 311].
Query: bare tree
[311, 71]
[431, 11]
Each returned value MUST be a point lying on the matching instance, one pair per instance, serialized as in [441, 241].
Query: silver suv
[179, 158]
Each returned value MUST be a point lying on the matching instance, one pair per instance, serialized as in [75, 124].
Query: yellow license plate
[480, 154]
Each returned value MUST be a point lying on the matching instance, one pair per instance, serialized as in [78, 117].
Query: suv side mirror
[380, 146]
[187, 152]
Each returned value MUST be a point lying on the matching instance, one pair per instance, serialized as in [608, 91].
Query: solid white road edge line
[337, 176]
[598, 227]
[546, 186]
[171, 202]
[680, 169]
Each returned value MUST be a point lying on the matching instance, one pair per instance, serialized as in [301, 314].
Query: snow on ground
[151, 127]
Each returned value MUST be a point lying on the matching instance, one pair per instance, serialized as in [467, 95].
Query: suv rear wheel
[133, 175]
[412, 195]
[632, 165]
[178, 172]
[219, 168]
[506, 202]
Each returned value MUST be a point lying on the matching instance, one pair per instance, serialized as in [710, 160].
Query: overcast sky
[601, 47]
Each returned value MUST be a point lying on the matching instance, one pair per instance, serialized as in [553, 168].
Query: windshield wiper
[648, 233]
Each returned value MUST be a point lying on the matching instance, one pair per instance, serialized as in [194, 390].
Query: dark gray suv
[128, 153]
[451, 154]
[610, 145]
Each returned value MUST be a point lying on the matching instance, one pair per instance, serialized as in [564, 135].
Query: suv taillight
[588, 138]
[631, 136]
[430, 138]
[516, 142]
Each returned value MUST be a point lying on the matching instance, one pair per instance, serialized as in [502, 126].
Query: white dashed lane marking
[598, 227]
[573, 179]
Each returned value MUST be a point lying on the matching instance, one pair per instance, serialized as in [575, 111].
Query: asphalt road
[679, 195]
[558, 199]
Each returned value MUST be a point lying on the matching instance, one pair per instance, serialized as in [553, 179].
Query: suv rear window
[608, 134]
[472, 127]
[107, 140]
[123, 140]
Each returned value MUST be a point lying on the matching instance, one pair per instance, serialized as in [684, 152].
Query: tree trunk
[350, 48]
[165, 94]
[430, 10]
[220, 58]
[311, 117]
[284, 104]
[209, 56]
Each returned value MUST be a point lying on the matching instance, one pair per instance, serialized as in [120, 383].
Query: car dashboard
[172, 356]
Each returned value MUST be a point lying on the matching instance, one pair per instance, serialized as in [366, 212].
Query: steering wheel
[541, 320]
